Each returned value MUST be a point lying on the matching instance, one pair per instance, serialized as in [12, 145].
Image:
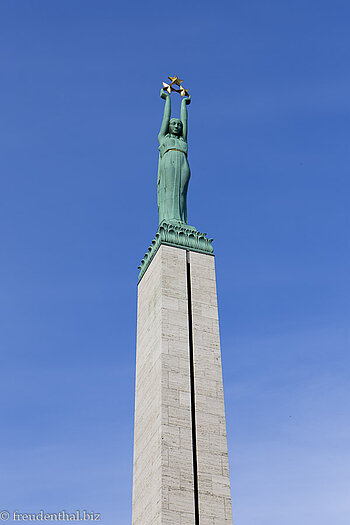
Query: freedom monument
[181, 473]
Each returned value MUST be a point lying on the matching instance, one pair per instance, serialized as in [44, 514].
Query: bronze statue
[173, 167]
[173, 178]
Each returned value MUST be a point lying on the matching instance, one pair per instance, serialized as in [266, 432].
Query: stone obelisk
[181, 473]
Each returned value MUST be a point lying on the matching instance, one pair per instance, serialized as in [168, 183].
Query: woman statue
[173, 168]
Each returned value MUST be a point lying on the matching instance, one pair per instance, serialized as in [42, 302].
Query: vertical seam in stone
[193, 404]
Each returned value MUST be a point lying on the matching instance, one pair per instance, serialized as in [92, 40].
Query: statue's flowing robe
[173, 178]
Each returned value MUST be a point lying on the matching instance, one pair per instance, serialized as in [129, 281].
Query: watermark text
[62, 515]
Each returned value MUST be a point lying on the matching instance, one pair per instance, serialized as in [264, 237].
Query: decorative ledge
[176, 234]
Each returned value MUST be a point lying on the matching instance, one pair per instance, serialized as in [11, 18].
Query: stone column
[180, 452]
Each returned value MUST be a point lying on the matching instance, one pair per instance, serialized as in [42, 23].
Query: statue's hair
[172, 119]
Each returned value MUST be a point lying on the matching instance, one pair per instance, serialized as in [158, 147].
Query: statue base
[179, 234]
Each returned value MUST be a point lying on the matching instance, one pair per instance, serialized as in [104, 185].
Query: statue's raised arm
[183, 115]
[166, 117]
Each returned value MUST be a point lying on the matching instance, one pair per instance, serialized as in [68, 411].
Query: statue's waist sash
[175, 149]
[172, 145]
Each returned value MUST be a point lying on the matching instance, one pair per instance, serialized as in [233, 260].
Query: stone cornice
[176, 234]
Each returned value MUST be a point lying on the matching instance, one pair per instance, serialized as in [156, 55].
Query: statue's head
[175, 126]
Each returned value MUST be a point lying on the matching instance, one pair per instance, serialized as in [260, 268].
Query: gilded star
[175, 80]
[167, 87]
[184, 92]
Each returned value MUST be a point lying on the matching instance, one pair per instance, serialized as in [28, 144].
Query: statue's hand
[164, 94]
[187, 100]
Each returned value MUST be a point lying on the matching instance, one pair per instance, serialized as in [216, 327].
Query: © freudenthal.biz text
[63, 515]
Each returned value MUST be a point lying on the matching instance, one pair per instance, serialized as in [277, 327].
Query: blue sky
[269, 155]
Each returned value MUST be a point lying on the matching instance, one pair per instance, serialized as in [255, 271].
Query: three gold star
[177, 82]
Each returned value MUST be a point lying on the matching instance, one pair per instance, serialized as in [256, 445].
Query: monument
[181, 473]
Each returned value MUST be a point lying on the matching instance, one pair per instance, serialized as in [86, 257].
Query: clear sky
[269, 154]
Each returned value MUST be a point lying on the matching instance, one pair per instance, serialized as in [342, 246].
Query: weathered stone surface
[213, 477]
[163, 468]
[163, 489]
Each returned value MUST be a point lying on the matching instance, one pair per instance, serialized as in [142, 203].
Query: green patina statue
[172, 184]
[173, 167]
